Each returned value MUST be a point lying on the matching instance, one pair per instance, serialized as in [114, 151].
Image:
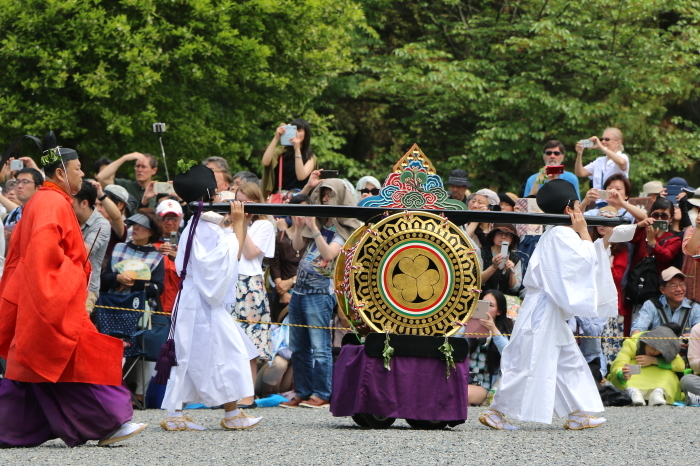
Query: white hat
[695, 200]
[169, 206]
[653, 187]
[119, 191]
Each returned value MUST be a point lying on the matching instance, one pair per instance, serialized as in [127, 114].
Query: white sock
[233, 413]
[578, 419]
[179, 414]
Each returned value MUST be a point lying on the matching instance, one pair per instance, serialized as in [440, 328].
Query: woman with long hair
[297, 160]
[251, 296]
[485, 353]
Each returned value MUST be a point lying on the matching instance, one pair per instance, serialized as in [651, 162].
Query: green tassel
[387, 353]
[446, 350]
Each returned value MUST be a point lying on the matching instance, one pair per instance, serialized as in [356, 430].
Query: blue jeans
[312, 358]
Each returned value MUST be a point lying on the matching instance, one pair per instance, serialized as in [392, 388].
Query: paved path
[302, 436]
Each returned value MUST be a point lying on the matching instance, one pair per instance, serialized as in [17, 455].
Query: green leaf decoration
[387, 353]
[422, 178]
[447, 350]
[185, 165]
[406, 175]
[52, 155]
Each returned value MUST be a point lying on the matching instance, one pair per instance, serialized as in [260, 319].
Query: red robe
[45, 333]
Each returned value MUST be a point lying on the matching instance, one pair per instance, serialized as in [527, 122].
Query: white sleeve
[590, 168]
[213, 262]
[262, 233]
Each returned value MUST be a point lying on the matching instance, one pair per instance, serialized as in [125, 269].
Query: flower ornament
[416, 279]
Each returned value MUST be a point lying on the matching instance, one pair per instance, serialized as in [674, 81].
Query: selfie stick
[159, 128]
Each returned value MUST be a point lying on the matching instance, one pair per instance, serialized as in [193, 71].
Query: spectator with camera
[313, 299]
[613, 160]
[485, 353]
[672, 306]
[287, 167]
[483, 199]
[646, 366]
[96, 232]
[553, 154]
[145, 167]
[28, 182]
[616, 193]
[169, 212]
[501, 272]
[112, 203]
[653, 237]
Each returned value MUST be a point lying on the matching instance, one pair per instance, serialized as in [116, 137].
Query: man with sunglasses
[553, 154]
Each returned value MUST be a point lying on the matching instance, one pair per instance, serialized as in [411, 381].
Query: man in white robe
[213, 366]
[543, 370]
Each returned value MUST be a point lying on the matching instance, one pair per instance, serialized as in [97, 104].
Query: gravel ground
[664, 435]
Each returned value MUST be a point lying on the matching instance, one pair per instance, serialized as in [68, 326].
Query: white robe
[543, 370]
[213, 366]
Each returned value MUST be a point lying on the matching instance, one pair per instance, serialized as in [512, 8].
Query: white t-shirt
[262, 232]
[602, 168]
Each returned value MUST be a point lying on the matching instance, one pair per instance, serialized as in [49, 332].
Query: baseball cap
[169, 206]
[669, 273]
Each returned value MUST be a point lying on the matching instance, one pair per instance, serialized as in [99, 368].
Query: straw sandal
[241, 415]
[495, 420]
[584, 421]
[179, 423]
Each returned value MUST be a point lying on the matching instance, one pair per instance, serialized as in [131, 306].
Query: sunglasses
[606, 139]
[550, 152]
[373, 192]
[658, 216]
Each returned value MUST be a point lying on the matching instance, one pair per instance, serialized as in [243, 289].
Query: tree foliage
[221, 73]
[482, 85]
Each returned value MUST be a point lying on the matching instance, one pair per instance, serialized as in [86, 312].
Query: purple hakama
[414, 388]
[33, 413]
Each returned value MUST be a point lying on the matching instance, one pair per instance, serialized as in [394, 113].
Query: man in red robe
[63, 378]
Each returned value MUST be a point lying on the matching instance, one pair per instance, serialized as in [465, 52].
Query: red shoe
[293, 403]
[315, 402]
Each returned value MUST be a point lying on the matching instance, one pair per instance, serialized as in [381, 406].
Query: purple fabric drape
[33, 413]
[415, 388]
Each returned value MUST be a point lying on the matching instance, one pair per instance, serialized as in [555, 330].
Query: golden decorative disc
[342, 275]
[414, 273]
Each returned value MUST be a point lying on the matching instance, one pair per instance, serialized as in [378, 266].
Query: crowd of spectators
[285, 272]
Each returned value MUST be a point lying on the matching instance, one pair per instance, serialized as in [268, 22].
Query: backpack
[643, 280]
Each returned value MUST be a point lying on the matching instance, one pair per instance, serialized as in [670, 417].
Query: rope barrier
[350, 329]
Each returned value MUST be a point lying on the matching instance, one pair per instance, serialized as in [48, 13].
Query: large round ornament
[414, 273]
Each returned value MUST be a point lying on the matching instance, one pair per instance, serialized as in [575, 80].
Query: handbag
[157, 333]
[278, 197]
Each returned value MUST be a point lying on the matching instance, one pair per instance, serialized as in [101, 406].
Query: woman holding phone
[501, 272]
[294, 163]
[652, 238]
[485, 353]
[612, 161]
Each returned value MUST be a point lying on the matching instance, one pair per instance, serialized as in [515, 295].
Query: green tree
[482, 85]
[221, 73]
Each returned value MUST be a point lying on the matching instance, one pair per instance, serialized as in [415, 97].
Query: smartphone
[290, 131]
[504, 254]
[482, 310]
[326, 174]
[554, 169]
[173, 238]
[16, 165]
[603, 194]
[661, 225]
[163, 188]
[635, 369]
[672, 192]
[586, 143]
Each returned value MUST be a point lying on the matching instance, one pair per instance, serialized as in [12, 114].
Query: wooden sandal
[180, 423]
[584, 421]
[495, 420]
[241, 415]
